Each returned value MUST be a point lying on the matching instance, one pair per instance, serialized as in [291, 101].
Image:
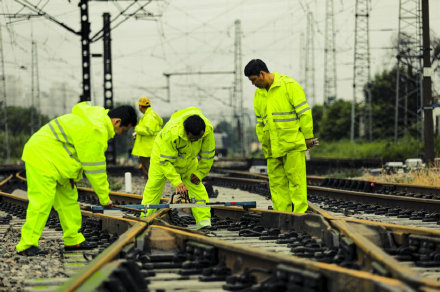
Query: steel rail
[411, 203]
[318, 180]
[382, 186]
[373, 198]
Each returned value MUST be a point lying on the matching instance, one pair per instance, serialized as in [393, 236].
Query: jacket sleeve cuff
[308, 134]
[199, 175]
[104, 201]
[176, 182]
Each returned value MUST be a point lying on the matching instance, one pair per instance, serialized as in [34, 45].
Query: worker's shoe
[207, 231]
[32, 251]
[82, 245]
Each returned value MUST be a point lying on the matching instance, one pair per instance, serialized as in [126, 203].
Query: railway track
[361, 199]
[331, 252]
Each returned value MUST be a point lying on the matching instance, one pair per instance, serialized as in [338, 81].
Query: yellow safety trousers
[45, 190]
[156, 183]
[288, 182]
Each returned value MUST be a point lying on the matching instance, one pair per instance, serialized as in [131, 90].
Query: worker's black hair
[254, 67]
[126, 113]
[194, 125]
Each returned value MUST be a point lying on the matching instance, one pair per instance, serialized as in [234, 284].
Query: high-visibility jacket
[75, 143]
[146, 130]
[176, 154]
[284, 119]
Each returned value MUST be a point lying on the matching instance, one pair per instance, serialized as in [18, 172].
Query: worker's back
[174, 137]
[69, 141]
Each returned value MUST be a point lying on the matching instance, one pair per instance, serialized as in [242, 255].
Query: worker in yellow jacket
[285, 130]
[55, 157]
[145, 132]
[183, 153]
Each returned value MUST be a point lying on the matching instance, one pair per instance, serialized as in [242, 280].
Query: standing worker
[285, 130]
[56, 156]
[187, 134]
[145, 132]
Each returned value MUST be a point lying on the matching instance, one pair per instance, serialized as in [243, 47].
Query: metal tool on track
[193, 203]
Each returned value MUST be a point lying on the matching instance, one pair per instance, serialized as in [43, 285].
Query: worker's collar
[275, 83]
[182, 133]
[276, 80]
[110, 128]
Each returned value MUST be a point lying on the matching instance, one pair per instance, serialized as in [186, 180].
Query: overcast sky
[193, 36]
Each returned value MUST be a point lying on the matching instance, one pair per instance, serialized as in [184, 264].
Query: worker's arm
[260, 121]
[207, 153]
[148, 126]
[302, 108]
[168, 156]
[91, 154]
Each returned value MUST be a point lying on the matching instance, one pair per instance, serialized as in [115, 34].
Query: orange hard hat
[144, 101]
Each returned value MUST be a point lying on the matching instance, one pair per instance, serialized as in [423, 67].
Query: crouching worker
[55, 157]
[187, 134]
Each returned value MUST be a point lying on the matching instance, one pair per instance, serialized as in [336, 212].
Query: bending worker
[285, 130]
[55, 157]
[145, 132]
[187, 134]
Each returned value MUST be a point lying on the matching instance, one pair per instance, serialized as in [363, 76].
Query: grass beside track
[424, 177]
[386, 150]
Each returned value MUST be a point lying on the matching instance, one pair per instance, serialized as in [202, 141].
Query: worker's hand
[310, 143]
[182, 189]
[109, 205]
[134, 134]
[194, 179]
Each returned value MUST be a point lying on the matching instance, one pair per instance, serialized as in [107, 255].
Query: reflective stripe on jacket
[74, 143]
[284, 118]
[146, 131]
[175, 154]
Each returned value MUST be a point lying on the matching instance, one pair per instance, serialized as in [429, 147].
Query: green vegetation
[333, 126]
[19, 128]
[380, 149]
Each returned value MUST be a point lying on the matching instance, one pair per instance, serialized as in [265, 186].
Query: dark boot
[32, 251]
[82, 245]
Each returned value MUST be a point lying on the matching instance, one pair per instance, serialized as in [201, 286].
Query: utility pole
[302, 68]
[85, 49]
[108, 75]
[361, 66]
[427, 93]
[3, 103]
[85, 32]
[238, 89]
[35, 89]
[309, 85]
[108, 82]
[409, 67]
[330, 86]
